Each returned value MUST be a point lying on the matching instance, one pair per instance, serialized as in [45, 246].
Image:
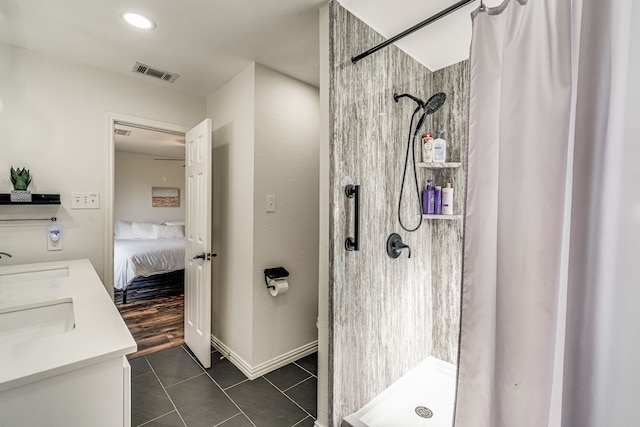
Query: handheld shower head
[432, 105]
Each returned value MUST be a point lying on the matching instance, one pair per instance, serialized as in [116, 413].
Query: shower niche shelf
[447, 165]
[36, 199]
[442, 217]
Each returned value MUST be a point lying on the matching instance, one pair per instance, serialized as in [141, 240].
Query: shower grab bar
[353, 243]
[52, 219]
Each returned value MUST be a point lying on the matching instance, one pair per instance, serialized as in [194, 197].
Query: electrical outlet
[271, 203]
[54, 239]
[85, 201]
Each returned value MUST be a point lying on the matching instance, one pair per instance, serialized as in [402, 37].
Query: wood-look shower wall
[386, 315]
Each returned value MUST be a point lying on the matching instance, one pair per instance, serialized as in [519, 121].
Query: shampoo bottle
[439, 148]
[447, 200]
[431, 195]
[427, 148]
[428, 199]
[438, 200]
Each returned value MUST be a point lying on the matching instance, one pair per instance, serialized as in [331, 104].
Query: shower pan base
[423, 397]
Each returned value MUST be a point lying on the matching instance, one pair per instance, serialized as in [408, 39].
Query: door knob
[205, 255]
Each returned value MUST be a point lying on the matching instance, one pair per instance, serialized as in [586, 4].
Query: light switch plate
[85, 200]
[271, 203]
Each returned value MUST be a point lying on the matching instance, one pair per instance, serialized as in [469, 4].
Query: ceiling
[146, 141]
[208, 42]
[438, 45]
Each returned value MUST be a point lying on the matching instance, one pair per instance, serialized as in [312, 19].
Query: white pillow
[123, 230]
[143, 230]
[168, 231]
[173, 223]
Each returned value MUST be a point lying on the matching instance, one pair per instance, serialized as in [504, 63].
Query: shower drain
[424, 412]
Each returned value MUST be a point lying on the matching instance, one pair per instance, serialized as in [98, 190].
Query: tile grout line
[295, 385]
[234, 385]
[230, 399]
[165, 392]
[230, 418]
[294, 402]
[305, 369]
[221, 389]
[182, 381]
[154, 419]
[305, 418]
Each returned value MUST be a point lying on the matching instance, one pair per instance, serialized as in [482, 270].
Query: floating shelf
[443, 217]
[36, 199]
[448, 165]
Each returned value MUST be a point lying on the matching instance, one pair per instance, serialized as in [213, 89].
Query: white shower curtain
[550, 323]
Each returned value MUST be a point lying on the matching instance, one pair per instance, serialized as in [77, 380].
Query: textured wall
[379, 307]
[387, 315]
[446, 236]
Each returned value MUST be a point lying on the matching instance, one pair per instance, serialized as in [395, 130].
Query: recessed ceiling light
[138, 20]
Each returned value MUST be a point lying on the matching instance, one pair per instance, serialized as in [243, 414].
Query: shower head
[432, 105]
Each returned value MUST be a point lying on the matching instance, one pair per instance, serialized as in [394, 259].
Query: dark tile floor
[170, 389]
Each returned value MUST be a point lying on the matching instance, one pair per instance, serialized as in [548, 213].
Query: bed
[146, 249]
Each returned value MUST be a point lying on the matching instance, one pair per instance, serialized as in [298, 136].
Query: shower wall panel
[446, 236]
[380, 309]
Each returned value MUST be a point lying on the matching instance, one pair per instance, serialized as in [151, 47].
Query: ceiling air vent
[154, 72]
[122, 132]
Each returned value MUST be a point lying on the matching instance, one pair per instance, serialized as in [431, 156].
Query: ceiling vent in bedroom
[122, 132]
[154, 72]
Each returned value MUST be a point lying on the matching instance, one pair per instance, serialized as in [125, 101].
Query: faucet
[395, 245]
[6, 254]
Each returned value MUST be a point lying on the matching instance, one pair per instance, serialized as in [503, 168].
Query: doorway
[147, 219]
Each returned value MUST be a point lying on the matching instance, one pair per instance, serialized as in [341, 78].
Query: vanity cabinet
[96, 395]
[63, 348]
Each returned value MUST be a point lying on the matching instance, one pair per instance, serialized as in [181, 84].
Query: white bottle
[439, 148]
[447, 200]
[427, 148]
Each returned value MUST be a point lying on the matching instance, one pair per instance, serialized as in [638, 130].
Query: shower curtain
[551, 280]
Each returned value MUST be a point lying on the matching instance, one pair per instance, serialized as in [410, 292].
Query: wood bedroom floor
[155, 318]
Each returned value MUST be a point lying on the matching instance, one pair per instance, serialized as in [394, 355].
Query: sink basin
[35, 320]
[33, 274]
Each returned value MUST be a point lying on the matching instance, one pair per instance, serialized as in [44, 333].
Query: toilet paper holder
[274, 273]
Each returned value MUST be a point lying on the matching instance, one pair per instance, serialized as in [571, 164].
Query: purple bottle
[426, 198]
[429, 199]
[438, 200]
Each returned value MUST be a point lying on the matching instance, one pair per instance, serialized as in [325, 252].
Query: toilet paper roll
[278, 287]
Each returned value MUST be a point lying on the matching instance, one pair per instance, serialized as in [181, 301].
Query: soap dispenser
[439, 148]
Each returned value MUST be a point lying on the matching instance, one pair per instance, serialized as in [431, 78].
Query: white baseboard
[317, 424]
[253, 372]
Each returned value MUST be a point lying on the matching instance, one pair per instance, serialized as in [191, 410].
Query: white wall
[265, 143]
[54, 123]
[135, 176]
[286, 165]
[232, 112]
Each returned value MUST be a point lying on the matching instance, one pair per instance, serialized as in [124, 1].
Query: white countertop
[99, 333]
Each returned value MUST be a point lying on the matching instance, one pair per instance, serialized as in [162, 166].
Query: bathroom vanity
[63, 348]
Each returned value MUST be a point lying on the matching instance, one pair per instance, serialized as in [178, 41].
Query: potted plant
[20, 178]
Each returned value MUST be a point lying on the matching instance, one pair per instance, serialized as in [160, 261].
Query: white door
[197, 293]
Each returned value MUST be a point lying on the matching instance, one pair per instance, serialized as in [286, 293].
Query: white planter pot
[20, 196]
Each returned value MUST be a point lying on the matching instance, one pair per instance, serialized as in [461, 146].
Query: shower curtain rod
[413, 29]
